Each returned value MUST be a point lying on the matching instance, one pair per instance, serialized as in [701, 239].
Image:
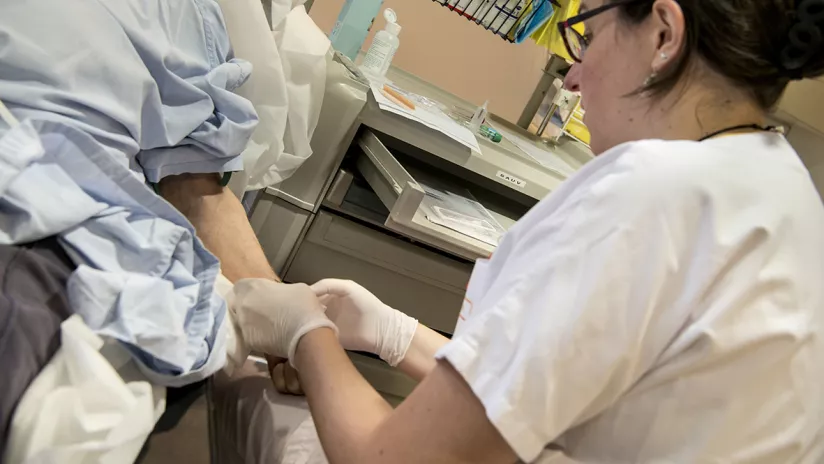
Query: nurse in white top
[664, 305]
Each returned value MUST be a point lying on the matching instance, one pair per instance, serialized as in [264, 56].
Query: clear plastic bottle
[383, 48]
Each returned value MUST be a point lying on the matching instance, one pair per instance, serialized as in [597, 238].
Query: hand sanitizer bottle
[383, 48]
[355, 20]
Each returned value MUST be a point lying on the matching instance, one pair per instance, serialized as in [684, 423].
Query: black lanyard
[735, 128]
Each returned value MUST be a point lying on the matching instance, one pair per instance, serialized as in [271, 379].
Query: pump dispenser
[383, 48]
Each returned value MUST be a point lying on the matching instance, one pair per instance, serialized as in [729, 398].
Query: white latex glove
[364, 322]
[272, 316]
[236, 350]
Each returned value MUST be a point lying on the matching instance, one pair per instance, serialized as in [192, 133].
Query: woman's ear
[669, 33]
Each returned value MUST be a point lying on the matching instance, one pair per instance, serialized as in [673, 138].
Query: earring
[664, 56]
[650, 79]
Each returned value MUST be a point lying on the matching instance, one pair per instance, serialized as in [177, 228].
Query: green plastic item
[490, 133]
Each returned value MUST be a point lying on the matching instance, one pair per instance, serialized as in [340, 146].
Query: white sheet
[89, 404]
[286, 86]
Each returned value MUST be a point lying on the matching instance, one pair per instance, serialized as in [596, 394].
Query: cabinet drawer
[402, 195]
[278, 226]
[420, 282]
[392, 383]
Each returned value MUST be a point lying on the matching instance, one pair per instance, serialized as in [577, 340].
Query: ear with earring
[654, 75]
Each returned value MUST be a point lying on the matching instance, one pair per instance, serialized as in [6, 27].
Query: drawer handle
[395, 186]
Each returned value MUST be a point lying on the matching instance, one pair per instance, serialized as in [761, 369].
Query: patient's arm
[220, 222]
[420, 357]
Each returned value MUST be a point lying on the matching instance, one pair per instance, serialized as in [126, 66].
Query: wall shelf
[501, 17]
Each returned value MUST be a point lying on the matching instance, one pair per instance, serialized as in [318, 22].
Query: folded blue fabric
[143, 277]
[150, 80]
[541, 13]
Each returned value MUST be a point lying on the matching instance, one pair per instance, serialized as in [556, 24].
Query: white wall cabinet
[803, 102]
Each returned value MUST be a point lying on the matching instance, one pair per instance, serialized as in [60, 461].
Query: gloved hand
[272, 316]
[236, 350]
[364, 322]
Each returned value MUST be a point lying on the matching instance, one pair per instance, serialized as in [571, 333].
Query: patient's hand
[285, 378]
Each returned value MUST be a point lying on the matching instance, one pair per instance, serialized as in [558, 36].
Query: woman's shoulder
[743, 163]
[753, 151]
[679, 179]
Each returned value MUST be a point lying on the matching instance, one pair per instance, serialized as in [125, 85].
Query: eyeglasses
[576, 43]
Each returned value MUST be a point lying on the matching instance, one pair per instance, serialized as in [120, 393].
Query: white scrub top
[665, 305]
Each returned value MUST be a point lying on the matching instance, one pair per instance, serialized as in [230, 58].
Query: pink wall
[443, 48]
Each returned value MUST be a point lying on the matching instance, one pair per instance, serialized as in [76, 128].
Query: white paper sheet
[545, 157]
[430, 117]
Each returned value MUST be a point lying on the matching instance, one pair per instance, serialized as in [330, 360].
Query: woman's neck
[699, 112]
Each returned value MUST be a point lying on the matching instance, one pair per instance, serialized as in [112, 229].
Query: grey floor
[182, 434]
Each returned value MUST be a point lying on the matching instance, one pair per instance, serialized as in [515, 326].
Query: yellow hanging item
[577, 129]
[576, 126]
[548, 35]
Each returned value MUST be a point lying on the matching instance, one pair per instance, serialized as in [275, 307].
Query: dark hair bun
[759, 45]
[803, 55]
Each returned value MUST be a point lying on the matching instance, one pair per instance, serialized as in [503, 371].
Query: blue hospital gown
[151, 80]
[119, 91]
